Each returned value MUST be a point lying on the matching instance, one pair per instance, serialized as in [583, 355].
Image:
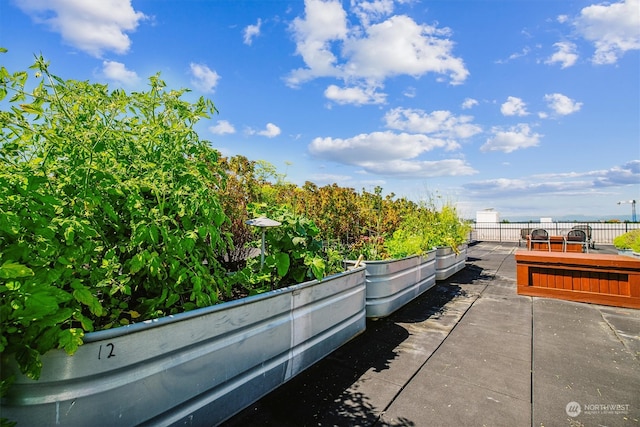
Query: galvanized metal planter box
[393, 283]
[195, 368]
[448, 262]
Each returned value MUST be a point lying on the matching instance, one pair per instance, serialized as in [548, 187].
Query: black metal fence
[601, 232]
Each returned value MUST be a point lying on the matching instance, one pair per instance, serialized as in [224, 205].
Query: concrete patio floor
[471, 352]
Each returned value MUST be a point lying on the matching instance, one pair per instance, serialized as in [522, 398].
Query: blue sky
[530, 107]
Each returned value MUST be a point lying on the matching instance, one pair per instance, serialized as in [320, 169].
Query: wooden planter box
[593, 278]
[196, 368]
[393, 283]
[557, 245]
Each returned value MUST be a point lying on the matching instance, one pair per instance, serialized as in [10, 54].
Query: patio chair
[524, 233]
[576, 237]
[588, 230]
[539, 235]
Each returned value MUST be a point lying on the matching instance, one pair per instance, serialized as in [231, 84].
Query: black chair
[524, 233]
[539, 235]
[576, 237]
[588, 230]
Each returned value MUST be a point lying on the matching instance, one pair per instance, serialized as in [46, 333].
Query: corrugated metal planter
[448, 262]
[195, 368]
[393, 283]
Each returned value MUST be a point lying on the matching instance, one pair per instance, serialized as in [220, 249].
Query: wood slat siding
[593, 278]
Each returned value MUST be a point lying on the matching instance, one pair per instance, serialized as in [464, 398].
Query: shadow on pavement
[325, 393]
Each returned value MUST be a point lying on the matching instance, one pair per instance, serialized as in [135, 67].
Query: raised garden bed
[196, 368]
[594, 278]
[393, 283]
[449, 262]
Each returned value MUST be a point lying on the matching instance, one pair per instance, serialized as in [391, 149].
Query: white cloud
[252, 31]
[354, 95]
[389, 153]
[511, 139]
[399, 46]
[116, 71]
[469, 103]
[565, 54]
[562, 104]
[325, 22]
[440, 124]
[506, 187]
[222, 127]
[514, 107]
[271, 131]
[375, 10]
[204, 79]
[420, 169]
[627, 174]
[369, 53]
[373, 147]
[613, 28]
[326, 178]
[410, 92]
[525, 51]
[91, 26]
[570, 183]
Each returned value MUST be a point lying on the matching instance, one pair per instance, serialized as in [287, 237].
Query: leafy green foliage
[109, 210]
[629, 240]
[371, 248]
[293, 255]
[243, 186]
[112, 210]
[426, 228]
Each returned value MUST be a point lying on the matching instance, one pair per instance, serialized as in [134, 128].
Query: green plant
[371, 248]
[293, 253]
[448, 229]
[108, 210]
[628, 240]
[426, 228]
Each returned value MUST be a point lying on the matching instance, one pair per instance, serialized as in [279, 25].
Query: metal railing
[601, 233]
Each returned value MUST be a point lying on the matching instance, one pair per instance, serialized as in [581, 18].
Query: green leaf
[49, 339]
[108, 209]
[85, 322]
[10, 223]
[69, 234]
[282, 263]
[299, 241]
[14, 270]
[31, 108]
[153, 234]
[173, 298]
[136, 263]
[37, 304]
[197, 283]
[84, 296]
[318, 267]
[29, 361]
[70, 340]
